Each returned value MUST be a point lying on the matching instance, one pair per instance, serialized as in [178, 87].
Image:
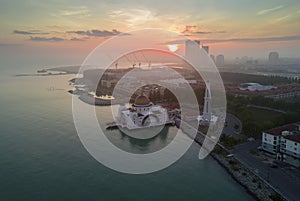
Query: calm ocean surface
[42, 157]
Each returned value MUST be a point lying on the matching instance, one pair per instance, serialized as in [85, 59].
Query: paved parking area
[284, 178]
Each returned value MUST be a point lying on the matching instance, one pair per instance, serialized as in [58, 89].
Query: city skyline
[234, 29]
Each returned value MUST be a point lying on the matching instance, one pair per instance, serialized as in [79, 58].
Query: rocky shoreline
[254, 185]
[257, 187]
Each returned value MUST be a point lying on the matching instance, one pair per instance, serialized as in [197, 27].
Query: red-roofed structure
[283, 143]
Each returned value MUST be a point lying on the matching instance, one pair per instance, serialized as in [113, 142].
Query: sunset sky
[75, 27]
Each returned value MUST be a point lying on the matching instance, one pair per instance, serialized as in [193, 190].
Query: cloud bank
[34, 32]
[266, 11]
[96, 33]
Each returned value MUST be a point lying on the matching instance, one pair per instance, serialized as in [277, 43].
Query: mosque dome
[142, 101]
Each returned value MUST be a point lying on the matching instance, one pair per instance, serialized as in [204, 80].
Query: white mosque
[141, 114]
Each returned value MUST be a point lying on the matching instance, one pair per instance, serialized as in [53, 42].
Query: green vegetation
[220, 151]
[229, 142]
[277, 104]
[263, 115]
[276, 197]
[232, 162]
[200, 93]
[257, 120]
[253, 152]
[155, 96]
[238, 78]
[236, 126]
[259, 185]
[233, 165]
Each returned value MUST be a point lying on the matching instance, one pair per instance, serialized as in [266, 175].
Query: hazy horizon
[66, 31]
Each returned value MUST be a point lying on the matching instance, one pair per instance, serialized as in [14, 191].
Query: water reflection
[141, 146]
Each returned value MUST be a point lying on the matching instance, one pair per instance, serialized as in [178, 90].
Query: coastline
[251, 183]
[255, 186]
[246, 184]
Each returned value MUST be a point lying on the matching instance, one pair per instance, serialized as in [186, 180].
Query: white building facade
[290, 150]
[255, 87]
[283, 143]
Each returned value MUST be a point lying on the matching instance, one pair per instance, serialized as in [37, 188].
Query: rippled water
[42, 157]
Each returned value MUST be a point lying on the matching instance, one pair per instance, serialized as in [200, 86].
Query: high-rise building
[220, 60]
[190, 48]
[197, 41]
[273, 58]
[213, 58]
[244, 59]
[206, 48]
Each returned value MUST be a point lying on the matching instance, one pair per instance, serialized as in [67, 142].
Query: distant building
[255, 87]
[284, 95]
[206, 48]
[283, 143]
[190, 46]
[244, 59]
[220, 60]
[179, 82]
[213, 58]
[273, 58]
[108, 83]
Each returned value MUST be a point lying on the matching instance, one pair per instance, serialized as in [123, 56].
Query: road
[283, 178]
[230, 126]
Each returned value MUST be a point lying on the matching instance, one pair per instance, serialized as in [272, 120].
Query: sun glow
[173, 47]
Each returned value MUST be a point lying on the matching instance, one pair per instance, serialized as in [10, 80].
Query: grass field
[262, 115]
[256, 120]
